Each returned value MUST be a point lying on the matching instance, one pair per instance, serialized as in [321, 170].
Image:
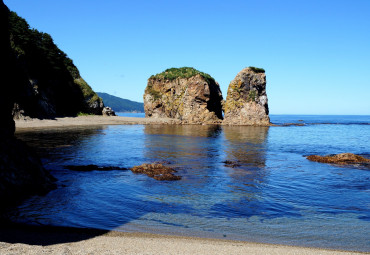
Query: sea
[270, 193]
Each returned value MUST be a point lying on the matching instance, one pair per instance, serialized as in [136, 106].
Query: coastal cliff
[21, 172]
[185, 94]
[50, 84]
[246, 101]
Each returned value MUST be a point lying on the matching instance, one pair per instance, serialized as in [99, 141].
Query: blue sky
[316, 53]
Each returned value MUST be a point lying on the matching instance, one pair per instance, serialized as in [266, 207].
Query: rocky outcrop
[107, 111]
[185, 94]
[50, 84]
[21, 172]
[157, 171]
[340, 159]
[246, 101]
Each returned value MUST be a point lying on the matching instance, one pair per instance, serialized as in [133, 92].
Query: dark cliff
[50, 84]
[21, 172]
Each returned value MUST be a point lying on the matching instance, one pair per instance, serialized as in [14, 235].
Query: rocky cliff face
[21, 172]
[246, 101]
[51, 84]
[185, 94]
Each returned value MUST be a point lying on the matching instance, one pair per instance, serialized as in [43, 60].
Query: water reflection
[43, 140]
[246, 145]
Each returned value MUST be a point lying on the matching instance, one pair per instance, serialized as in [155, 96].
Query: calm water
[275, 196]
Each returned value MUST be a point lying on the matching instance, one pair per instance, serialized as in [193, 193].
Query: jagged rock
[246, 101]
[185, 94]
[340, 159]
[107, 111]
[157, 171]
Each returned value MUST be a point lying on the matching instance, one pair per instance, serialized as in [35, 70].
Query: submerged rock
[246, 101]
[341, 159]
[185, 94]
[232, 164]
[157, 171]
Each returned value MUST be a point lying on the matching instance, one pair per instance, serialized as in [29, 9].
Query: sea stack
[186, 94]
[246, 101]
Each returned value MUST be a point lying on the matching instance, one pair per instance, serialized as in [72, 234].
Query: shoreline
[27, 239]
[93, 120]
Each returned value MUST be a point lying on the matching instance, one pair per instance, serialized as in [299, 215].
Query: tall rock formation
[246, 101]
[21, 172]
[51, 84]
[185, 94]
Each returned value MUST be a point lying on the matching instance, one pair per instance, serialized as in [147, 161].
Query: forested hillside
[52, 85]
[121, 105]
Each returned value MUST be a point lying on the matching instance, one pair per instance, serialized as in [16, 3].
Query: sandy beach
[20, 239]
[92, 120]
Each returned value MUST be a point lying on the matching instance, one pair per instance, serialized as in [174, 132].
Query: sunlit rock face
[246, 101]
[185, 94]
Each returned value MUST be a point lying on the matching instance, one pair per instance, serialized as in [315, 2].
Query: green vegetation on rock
[256, 69]
[154, 93]
[183, 72]
[87, 91]
[252, 95]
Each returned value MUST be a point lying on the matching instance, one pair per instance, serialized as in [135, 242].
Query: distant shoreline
[25, 239]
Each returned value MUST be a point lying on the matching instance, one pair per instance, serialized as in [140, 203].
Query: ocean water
[275, 195]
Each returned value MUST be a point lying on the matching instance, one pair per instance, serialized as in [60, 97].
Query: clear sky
[316, 53]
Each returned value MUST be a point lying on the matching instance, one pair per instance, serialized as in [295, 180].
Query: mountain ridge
[119, 104]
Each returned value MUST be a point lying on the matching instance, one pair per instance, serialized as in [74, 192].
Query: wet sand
[22, 239]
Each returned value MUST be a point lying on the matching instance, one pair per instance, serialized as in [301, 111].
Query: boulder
[107, 111]
[246, 101]
[157, 171]
[185, 94]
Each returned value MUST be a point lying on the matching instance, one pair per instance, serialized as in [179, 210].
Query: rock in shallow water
[157, 171]
[341, 159]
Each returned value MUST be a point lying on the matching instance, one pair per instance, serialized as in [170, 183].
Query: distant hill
[121, 105]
